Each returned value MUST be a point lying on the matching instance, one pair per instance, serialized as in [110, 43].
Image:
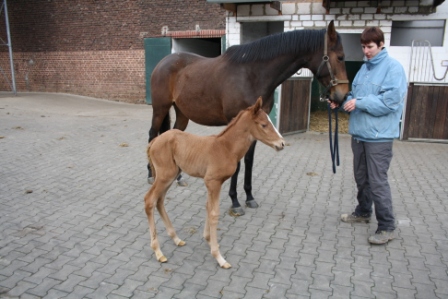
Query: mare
[213, 158]
[211, 91]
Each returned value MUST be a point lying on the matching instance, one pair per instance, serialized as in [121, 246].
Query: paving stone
[44, 287]
[20, 288]
[83, 232]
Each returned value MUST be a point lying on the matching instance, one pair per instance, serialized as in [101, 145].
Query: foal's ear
[258, 104]
[332, 34]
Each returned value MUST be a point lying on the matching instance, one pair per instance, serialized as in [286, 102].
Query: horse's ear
[332, 34]
[257, 105]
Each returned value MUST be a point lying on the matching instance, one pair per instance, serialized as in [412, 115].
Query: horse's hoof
[236, 211]
[182, 183]
[251, 204]
[181, 243]
[163, 259]
[151, 180]
[226, 266]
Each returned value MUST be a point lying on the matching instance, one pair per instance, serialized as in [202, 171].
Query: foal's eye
[264, 126]
[341, 58]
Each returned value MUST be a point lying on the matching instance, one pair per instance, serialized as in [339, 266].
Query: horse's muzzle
[279, 147]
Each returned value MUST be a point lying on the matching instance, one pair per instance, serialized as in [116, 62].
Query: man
[375, 105]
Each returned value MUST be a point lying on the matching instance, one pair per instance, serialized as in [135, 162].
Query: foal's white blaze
[282, 141]
[278, 133]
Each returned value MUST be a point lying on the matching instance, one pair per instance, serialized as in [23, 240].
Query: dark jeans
[371, 162]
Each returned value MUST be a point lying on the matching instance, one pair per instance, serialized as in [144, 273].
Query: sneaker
[381, 237]
[352, 218]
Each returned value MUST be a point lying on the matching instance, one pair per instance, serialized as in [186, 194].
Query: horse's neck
[236, 138]
[274, 72]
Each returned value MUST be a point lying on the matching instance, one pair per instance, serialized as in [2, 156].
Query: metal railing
[421, 67]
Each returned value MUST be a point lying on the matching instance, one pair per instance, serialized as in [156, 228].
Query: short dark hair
[372, 34]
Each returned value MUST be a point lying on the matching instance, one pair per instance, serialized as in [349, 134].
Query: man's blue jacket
[380, 88]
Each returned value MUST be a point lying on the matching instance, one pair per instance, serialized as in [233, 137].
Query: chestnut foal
[213, 158]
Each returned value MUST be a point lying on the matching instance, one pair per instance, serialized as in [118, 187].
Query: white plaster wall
[352, 18]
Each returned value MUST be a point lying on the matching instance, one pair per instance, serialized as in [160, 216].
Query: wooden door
[426, 114]
[295, 105]
[155, 50]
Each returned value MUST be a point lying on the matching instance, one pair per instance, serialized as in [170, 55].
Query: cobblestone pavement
[72, 224]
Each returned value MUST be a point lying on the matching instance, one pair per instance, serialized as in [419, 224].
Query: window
[404, 32]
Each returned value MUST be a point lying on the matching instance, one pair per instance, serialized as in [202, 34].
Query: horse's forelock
[266, 48]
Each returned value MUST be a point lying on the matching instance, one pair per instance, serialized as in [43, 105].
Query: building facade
[93, 48]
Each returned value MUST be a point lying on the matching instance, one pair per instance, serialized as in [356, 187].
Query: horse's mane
[295, 42]
[233, 121]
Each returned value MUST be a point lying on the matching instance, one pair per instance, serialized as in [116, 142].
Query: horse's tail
[153, 170]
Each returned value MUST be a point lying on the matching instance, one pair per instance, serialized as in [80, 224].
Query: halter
[334, 148]
[326, 61]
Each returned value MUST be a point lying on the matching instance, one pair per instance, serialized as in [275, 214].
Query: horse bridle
[326, 61]
[334, 148]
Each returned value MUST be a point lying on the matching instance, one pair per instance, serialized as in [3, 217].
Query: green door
[155, 49]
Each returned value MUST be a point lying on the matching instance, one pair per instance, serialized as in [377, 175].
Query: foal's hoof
[251, 204]
[226, 266]
[182, 183]
[150, 180]
[163, 259]
[236, 211]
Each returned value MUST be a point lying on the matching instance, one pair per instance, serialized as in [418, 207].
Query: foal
[213, 158]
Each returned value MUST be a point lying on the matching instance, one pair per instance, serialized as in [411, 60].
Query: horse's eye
[341, 58]
[264, 126]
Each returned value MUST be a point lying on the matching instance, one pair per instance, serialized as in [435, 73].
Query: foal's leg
[249, 163]
[151, 198]
[214, 189]
[166, 220]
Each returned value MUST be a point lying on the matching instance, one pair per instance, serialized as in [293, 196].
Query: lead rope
[334, 150]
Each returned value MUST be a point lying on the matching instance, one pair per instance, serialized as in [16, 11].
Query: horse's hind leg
[180, 124]
[160, 124]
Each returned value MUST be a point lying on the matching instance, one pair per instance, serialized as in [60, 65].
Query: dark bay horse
[213, 158]
[211, 91]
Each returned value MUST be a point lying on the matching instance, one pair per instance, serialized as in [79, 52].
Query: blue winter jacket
[380, 88]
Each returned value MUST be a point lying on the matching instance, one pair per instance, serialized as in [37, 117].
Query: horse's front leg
[235, 209]
[249, 163]
[214, 189]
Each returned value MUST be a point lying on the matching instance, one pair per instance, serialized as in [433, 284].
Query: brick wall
[93, 48]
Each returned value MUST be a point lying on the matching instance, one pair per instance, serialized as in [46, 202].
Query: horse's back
[170, 65]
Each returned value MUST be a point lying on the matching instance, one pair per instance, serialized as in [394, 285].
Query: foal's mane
[233, 121]
[294, 42]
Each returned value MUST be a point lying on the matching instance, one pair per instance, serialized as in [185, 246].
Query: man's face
[371, 49]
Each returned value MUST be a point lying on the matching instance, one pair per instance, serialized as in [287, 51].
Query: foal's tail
[153, 170]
